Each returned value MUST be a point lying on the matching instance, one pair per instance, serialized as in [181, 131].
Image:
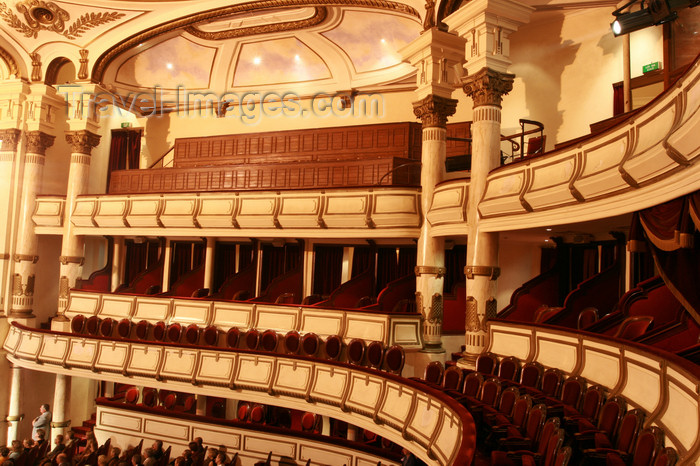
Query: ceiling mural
[372, 40]
[169, 64]
[278, 61]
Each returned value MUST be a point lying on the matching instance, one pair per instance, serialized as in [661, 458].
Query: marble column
[13, 414]
[8, 153]
[433, 111]
[72, 247]
[26, 249]
[209, 264]
[60, 416]
[486, 88]
[118, 262]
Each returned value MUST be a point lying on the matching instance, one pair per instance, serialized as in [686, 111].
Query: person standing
[42, 421]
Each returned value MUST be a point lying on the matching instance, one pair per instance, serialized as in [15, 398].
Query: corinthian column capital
[433, 110]
[38, 142]
[83, 141]
[10, 138]
[487, 86]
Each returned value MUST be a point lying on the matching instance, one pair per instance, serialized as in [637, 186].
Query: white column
[8, 154]
[13, 414]
[60, 417]
[201, 409]
[166, 266]
[117, 262]
[209, 264]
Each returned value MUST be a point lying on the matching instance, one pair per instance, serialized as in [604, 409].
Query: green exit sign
[126, 124]
[651, 67]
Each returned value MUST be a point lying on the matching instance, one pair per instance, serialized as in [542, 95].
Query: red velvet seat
[531, 375]
[169, 401]
[159, 330]
[232, 337]
[525, 437]
[252, 339]
[624, 440]
[563, 457]
[132, 395]
[591, 402]
[243, 411]
[375, 354]
[142, 329]
[608, 420]
[394, 359]
[434, 372]
[269, 340]
[190, 404]
[666, 457]
[500, 423]
[257, 414]
[633, 327]
[310, 344]
[537, 448]
[649, 442]
[333, 347]
[150, 397]
[210, 336]
[77, 324]
[192, 334]
[107, 327]
[487, 364]
[509, 368]
[504, 406]
[292, 342]
[310, 422]
[124, 328]
[173, 332]
[472, 384]
[92, 325]
[586, 317]
[453, 378]
[356, 351]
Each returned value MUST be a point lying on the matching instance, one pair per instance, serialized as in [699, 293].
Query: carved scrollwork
[38, 142]
[10, 138]
[82, 142]
[434, 110]
[472, 321]
[83, 71]
[436, 309]
[487, 86]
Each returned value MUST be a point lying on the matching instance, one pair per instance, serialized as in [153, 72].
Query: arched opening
[60, 71]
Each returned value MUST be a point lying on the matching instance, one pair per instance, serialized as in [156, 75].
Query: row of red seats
[356, 352]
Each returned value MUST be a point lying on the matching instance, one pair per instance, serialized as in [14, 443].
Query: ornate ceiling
[212, 46]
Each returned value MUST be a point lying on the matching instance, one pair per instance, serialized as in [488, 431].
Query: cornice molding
[192, 20]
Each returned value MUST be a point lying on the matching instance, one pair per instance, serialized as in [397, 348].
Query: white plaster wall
[519, 262]
[46, 286]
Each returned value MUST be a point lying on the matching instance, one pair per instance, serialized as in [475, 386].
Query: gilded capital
[487, 86]
[83, 141]
[10, 138]
[38, 142]
[434, 110]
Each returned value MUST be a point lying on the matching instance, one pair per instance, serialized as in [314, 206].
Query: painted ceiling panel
[169, 64]
[372, 40]
[278, 61]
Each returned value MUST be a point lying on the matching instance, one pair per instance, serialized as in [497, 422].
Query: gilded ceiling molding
[318, 17]
[40, 15]
[10, 61]
[107, 57]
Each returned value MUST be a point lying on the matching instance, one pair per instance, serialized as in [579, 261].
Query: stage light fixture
[650, 13]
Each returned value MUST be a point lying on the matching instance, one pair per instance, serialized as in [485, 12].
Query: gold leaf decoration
[14, 22]
[89, 21]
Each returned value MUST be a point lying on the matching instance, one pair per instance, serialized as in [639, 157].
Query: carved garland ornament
[40, 15]
[434, 110]
[487, 86]
[10, 61]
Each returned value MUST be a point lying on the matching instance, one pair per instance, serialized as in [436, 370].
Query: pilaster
[8, 156]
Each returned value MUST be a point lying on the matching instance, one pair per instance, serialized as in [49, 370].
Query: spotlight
[651, 13]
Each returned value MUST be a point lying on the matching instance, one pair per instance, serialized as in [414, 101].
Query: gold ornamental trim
[65, 260]
[25, 258]
[83, 71]
[60, 424]
[11, 62]
[434, 110]
[483, 270]
[4, 256]
[319, 16]
[439, 272]
[36, 66]
[38, 142]
[10, 137]
[487, 86]
[16, 418]
[107, 57]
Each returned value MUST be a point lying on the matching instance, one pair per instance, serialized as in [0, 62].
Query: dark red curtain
[455, 260]
[124, 151]
[393, 263]
[328, 265]
[362, 259]
[224, 263]
[186, 256]
[278, 261]
[618, 99]
[135, 259]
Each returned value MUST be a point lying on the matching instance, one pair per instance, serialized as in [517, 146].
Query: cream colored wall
[519, 262]
[46, 288]
[37, 389]
[646, 46]
[564, 83]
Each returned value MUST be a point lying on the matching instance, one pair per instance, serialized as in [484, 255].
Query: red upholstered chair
[192, 334]
[500, 423]
[285, 298]
[487, 364]
[252, 339]
[586, 317]
[535, 145]
[538, 448]
[356, 351]
[269, 340]
[608, 421]
[159, 331]
[92, 325]
[531, 374]
[453, 378]
[394, 359]
[509, 369]
[132, 396]
[633, 327]
[624, 440]
[666, 457]
[434, 372]
[310, 422]
[257, 414]
[190, 404]
[210, 336]
[570, 397]
[218, 409]
[200, 293]
[311, 299]
[649, 442]
[124, 328]
[472, 384]
[375, 354]
[590, 406]
[292, 342]
[525, 437]
[173, 332]
[243, 411]
[142, 330]
[162, 394]
[504, 406]
[232, 337]
[310, 344]
[169, 401]
[563, 457]
[107, 327]
[333, 347]
[150, 397]
[77, 324]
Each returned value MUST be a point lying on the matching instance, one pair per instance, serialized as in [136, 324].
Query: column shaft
[8, 154]
[13, 414]
[209, 265]
[60, 415]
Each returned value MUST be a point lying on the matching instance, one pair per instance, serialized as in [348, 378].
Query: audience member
[42, 421]
[4, 454]
[17, 450]
[157, 450]
[136, 460]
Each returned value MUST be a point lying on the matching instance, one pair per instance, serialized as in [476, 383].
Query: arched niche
[8, 66]
[60, 71]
